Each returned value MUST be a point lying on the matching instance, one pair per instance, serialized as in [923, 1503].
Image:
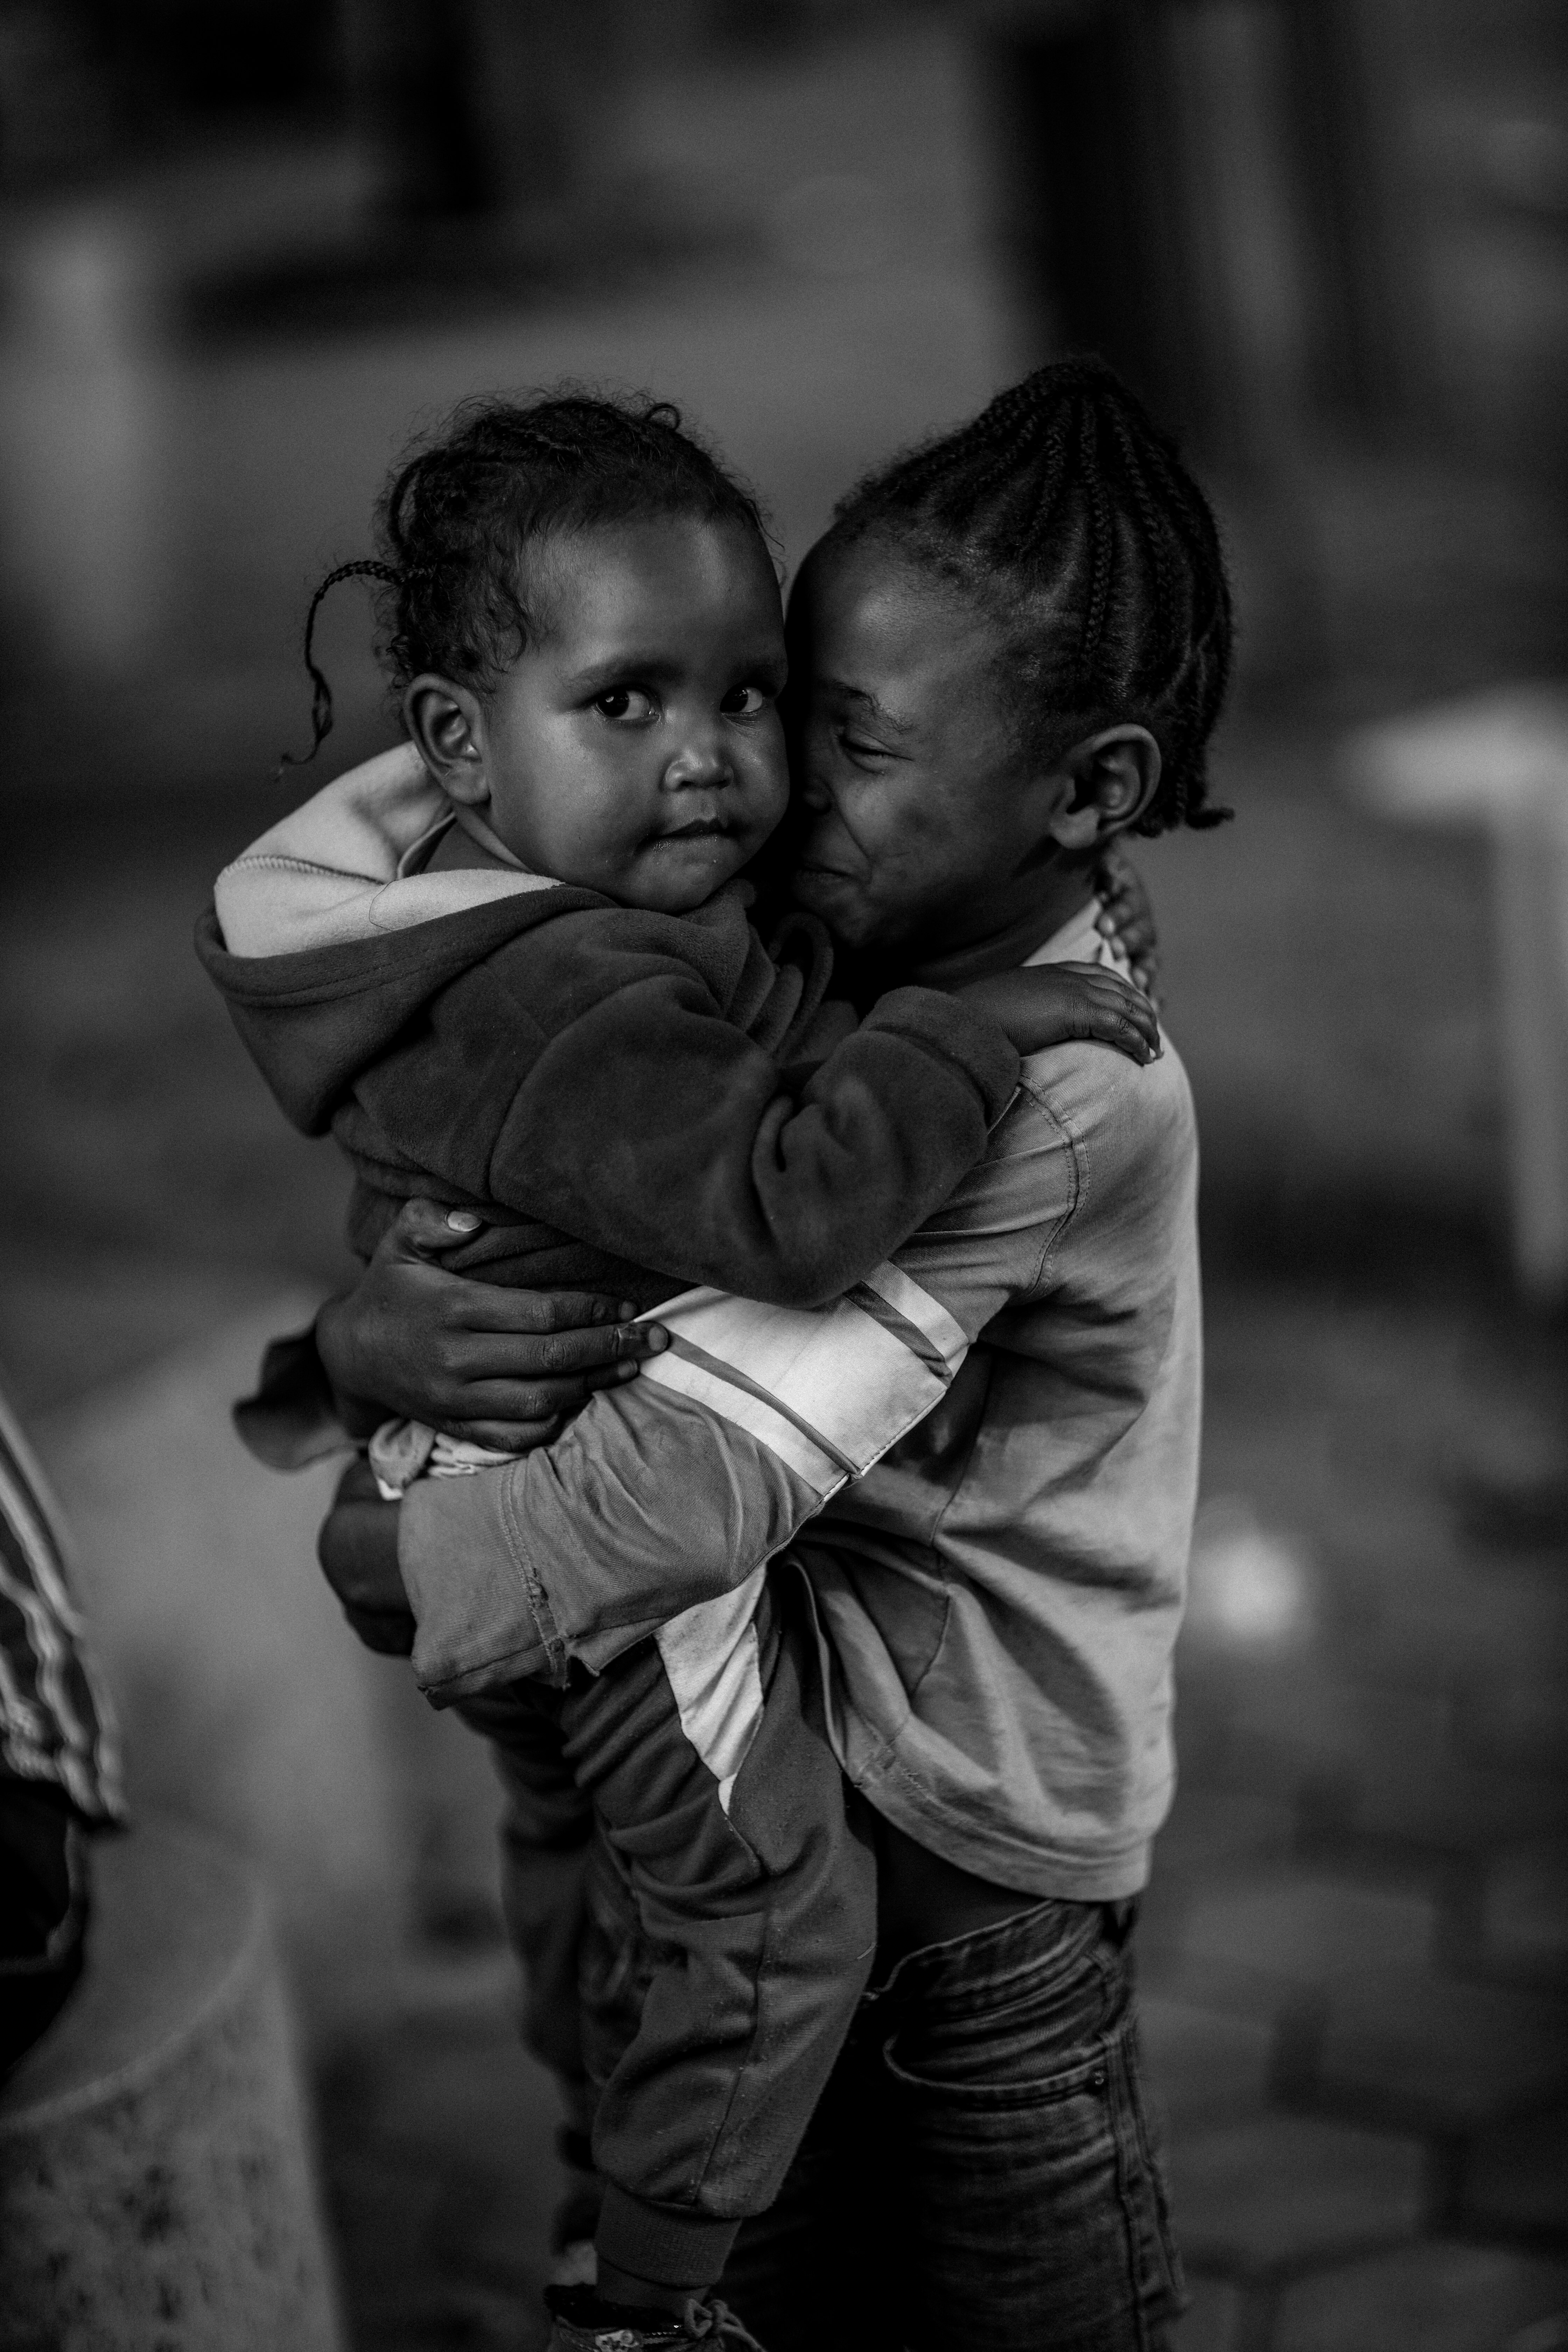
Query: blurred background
[244, 253]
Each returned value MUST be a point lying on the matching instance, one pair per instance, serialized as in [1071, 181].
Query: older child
[1014, 643]
[510, 967]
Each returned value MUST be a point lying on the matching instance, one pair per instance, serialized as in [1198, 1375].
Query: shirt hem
[1006, 1860]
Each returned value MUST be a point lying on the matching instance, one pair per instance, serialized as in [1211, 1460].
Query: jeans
[979, 2175]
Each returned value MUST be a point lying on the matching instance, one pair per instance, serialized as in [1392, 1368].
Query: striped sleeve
[828, 1389]
[666, 1492]
[675, 1487]
[56, 1725]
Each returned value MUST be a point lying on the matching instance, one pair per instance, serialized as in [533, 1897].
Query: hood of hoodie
[334, 871]
[324, 945]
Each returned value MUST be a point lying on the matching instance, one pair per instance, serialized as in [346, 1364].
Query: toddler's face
[636, 748]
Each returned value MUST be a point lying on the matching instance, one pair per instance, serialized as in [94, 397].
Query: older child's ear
[443, 723]
[1114, 776]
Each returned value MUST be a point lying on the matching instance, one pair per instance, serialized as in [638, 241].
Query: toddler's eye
[744, 702]
[623, 702]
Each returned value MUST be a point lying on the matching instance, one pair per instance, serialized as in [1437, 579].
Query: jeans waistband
[1052, 1929]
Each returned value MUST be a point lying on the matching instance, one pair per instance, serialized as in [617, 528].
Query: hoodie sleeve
[645, 1122]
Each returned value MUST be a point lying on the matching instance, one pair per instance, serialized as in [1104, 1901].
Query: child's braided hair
[456, 518]
[1069, 515]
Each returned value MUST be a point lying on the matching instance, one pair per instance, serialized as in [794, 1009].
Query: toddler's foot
[584, 2324]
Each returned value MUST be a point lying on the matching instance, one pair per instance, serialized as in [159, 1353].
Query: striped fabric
[828, 1389]
[55, 1721]
[712, 1658]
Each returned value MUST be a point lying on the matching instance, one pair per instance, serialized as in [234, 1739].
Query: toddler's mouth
[712, 828]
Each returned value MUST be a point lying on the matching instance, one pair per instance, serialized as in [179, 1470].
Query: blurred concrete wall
[247, 1703]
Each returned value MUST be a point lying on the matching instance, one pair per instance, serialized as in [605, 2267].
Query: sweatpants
[718, 1807]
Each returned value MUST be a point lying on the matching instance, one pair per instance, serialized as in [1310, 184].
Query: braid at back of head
[459, 517]
[1068, 514]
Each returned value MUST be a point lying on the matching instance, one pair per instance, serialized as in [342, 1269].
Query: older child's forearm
[677, 1488]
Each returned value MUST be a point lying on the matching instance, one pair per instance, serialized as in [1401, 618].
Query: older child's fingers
[511, 1436]
[1134, 937]
[424, 1229]
[494, 1306]
[539, 1357]
[492, 1396]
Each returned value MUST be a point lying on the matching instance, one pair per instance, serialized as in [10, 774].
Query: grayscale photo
[783, 1176]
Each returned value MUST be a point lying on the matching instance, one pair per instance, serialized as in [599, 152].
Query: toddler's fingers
[1115, 995]
[1150, 1048]
[1133, 1022]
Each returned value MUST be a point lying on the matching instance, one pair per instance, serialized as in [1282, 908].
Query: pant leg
[714, 2026]
[1038, 2205]
[811, 2275]
[980, 2171]
[545, 1831]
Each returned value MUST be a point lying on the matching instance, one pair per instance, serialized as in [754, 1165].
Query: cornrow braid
[461, 516]
[1068, 514]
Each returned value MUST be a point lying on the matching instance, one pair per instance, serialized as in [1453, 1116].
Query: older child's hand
[1043, 1005]
[1127, 917]
[503, 1367]
[358, 1551]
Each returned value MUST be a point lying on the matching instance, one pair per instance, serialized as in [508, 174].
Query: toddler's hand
[1048, 1003]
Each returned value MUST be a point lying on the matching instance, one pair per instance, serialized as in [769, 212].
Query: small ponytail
[320, 692]
[459, 516]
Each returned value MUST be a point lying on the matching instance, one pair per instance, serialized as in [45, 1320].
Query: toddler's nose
[699, 762]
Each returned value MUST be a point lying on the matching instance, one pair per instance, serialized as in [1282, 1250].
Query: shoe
[584, 2324]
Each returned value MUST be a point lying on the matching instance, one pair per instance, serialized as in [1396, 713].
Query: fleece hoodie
[635, 1102]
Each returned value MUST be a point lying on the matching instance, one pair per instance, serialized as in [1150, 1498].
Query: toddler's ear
[1114, 776]
[444, 728]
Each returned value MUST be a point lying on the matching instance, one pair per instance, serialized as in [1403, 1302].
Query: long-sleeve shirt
[983, 1458]
[633, 1101]
[56, 1727]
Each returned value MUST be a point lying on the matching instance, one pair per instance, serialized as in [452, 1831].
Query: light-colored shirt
[984, 1459]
